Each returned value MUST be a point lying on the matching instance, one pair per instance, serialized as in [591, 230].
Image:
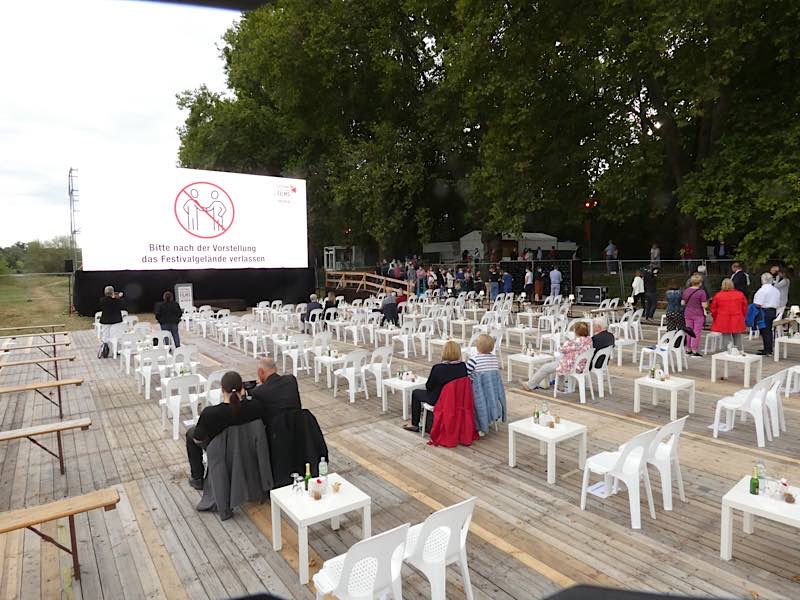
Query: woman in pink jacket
[570, 352]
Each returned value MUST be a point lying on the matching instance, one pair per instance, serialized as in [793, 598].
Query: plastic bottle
[323, 468]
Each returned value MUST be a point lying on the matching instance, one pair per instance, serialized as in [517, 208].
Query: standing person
[655, 255]
[781, 283]
[721, 250]
[741, 280]
[688, 255]
[674, 318]
[508, 282]
[411, 272]
[468, 283]
[553, 254]
[610, 252]
[767, 298]
[450, 369]
[110, 318]
[528, 283]
[168, 315]
[539, 255]
[494, 283]
[695, 302]
[650, 293]
[460, 279]
[449, 280]
[728, 310]
[538, 284]
[555, 281]
[637, 289]
[422, 279]
[477, 282]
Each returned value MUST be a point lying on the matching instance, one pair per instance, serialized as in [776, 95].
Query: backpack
[104, 351]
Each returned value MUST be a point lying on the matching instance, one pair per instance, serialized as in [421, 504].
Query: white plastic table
[330, 363]
[388, 333]
[303, 510]
[531, 361]
[528, 316]
[740, 498]
[463, 323]
[786, 341]
[405, 387]
[673, 385]
[548, 438]
[744, 359]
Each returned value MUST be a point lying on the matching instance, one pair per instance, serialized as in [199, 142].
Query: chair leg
[584, 487]
[665, 471]
[716, 419]
[633, 500]
[465, 574]
[397, 589]
[649, 491]
[679, 479]
[438, 581]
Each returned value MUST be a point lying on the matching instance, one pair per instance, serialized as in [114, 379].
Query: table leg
[551, 462]
[776, 351]
[582, 451]
[316, 370]
[509, 369]
[655, 397]
[725, 368]
[713, 369]
[619, 356]
[747, 374]
[692, 395]
[747, 522]
[277, 542]
[542, 448]
[760, 370]
[328, 369]
[384, 401]
[366, 526]
[636, 397]
[335, 522]
[302, 550]
[512, 448]
[726, 534]
[406, 402]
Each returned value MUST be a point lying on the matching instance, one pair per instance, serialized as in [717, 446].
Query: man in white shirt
[528, 284]
[768, 298]
[781, 283]
[555, 282]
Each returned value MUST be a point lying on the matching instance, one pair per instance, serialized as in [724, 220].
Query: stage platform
[528, 539]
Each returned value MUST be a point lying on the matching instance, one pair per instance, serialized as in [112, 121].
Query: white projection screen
[155, 219]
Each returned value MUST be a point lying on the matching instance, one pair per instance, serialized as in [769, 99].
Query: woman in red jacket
[728, 309]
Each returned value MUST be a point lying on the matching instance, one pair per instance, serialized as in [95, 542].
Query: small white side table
[548, 438]
[744, 359]
[673, 385]
[405, 388]
[531, 361]
[329, 362]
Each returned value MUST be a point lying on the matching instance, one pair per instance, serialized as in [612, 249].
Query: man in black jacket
[276, 393]
[740, 278]
[650, 292]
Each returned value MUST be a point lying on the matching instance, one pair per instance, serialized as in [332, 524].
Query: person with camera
[110, 319]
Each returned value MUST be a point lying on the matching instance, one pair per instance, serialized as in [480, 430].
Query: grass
[38, 299]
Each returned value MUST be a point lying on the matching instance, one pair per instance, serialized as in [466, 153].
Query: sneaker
[761, 353]
[196, 483]
[413, 428]
[697, 354]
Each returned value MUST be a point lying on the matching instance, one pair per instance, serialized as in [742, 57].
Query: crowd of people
[729, 311]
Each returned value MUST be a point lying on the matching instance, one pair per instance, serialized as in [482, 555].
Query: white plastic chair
[353, 371]
[314, 321]
[297, 352]
[148, 364]
[370, 569]
[751, 402]
[774, 403]
[177, 394]
[628, 465]
[713, 340]
[405, 337]
[380, 366]
[424, 331]
[354, 326]
[97, 325]
[599, 368]
[126, 348]
[439, 541]
[130, 321]
[213, 395]
[663, 456]
[163, 339]
[581, 377]
[319, 344]
[255, 337]
[182, 359]
[660, 351]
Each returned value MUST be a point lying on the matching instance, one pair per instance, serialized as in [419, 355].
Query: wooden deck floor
[528, 538]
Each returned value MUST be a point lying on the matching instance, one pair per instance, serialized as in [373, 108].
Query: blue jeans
[494, 289]
[173, 329]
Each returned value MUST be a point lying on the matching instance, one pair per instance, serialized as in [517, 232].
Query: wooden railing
[369, 282]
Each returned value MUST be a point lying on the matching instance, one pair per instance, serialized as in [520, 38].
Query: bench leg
[76, 567]
[60, 452]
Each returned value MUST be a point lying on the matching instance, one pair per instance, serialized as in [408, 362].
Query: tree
[47, 256]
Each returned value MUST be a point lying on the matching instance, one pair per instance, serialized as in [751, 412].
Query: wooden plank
[40, 385]
[44, 429]
[33, 335]
[23, 327]
[49, 345]
[26, 517]
[37, 361]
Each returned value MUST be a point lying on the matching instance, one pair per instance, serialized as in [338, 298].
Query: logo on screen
[285, 192]
[204, 210]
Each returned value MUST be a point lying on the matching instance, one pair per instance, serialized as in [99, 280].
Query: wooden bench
[43, 385]
[37, 346]
[39, 362]
[68, 507]
[57, 428]
[26, 327]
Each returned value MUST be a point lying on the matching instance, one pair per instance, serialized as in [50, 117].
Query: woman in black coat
[168, 314]
[450, 369]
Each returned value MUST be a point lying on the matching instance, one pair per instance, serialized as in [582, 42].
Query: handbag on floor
[104, 351]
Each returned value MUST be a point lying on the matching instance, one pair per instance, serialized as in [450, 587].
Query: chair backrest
[276, 304]
[604, 303]
[263, 304]
[665, 341]
[205, 307]
[583, 360]
[321, 340]
[497, 335]
[758, 392]
[151, 356]
[636, 317]
[549, 300]
[382, 355]
[97, 316]
[278, 327]
[370, 566]
[563, 310]
[614, 303]
[163, 339]
[338, 299]
[356, 359]
[182, 385]
[357, 302]
[678, 340]
[602, 358]
[183, 356]
[669, 434]
[223, 312]
[426, 326]
[407, 328]
[444, 533]
[638, 447]
[330, 314]
[130, 320]
[127, 340]
[315, 315]
[299, 341]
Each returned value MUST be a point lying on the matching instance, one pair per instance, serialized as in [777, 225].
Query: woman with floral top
[570, 352]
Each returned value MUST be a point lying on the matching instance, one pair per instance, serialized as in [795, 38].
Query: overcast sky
[86, 81]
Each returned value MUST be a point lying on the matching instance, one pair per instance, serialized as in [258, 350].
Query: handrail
[361, 280]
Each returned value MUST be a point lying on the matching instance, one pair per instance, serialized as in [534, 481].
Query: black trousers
[651, 299]
[639, 298]
[417, 398]
[195, 453]
[766, 333]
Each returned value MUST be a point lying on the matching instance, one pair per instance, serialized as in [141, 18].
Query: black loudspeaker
[68, 266]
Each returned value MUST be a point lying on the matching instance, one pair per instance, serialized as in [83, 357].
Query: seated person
[564, 360]
[275, 393]
[233, 410]
[401, 297]
[330, 301]
[451, 368]
[389, 308]
[484, 360]
[313, 304]
[602, 338]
